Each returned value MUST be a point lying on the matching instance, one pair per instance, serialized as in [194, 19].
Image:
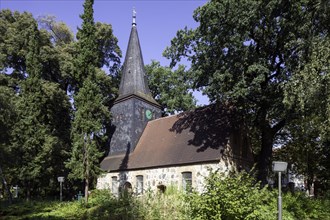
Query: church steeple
[134, 81]
[135, 105]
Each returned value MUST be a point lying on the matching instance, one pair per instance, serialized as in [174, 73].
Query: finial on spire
[134, 17]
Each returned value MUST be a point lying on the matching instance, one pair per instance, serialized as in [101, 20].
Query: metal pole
[60, 191]
[279, 197]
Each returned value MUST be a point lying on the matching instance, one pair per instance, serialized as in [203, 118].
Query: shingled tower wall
[135, 106]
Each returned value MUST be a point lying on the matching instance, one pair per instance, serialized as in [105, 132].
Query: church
[150, 152]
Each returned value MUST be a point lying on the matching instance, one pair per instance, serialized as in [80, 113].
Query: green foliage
[175, 204]
[309, 92]
[38, 138]
[302, 207]
[39, 66]
[246, 52]
[87, 131]
[108, 49]
[235, 196]
[7, 112]
[168, 205]
[91, 115]
[171, 89]
[60, 32]
[15, 32]
[86, 48]
[44, 210]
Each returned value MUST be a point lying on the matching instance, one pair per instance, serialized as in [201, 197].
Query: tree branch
[278, 126]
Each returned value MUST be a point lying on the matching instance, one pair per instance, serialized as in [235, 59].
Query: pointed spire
[134, 80]
[134, 17]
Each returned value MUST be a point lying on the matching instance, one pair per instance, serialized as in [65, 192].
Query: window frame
[139, 184]
[114, 185]
[187, 181]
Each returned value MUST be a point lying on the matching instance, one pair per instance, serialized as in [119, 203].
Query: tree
[39, 136]
[232, 196]
[171, 89]
[309, 139]
[60, 56]
[108, 49]
[60, 32]
[244, 53]
[38, 68]
[7, 121]
[14, 33]
[90, 114]
[88, 132]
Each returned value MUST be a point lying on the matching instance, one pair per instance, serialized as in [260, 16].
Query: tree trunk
[86, 172]
[4, 183]
[28, 191]
[265, 155]
[86, 190]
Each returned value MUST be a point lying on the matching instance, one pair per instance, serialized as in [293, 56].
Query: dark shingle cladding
[135, 105]
[134, 80]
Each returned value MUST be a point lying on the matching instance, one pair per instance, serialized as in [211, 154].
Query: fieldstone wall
[169, 176]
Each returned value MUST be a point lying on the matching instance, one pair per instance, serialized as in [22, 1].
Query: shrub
[103, 205]
[235, 196]
[168, 205]
[301, 206]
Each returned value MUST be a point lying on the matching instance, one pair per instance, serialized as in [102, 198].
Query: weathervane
[134, 17]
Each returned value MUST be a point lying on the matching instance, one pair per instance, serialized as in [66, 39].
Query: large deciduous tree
[245, 52]
[309, 143]
[170, 88]
[38, 68]
[7, 121]
[39, 137]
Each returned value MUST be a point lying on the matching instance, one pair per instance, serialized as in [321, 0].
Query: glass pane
[114, 185]
[139, 184]
[187, 181]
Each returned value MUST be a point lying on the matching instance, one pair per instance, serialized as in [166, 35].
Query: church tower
[135, 105]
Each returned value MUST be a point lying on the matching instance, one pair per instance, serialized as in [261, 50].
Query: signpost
[16, 191]
[279, 166]
[60, 179]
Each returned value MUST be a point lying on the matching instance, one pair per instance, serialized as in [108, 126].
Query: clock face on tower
[148, 114]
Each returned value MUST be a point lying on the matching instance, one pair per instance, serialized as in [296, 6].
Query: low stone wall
[168, 176]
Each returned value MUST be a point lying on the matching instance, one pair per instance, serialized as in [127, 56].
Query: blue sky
[157, 21]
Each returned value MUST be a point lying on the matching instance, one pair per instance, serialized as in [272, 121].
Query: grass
[150, 206]
[43, 210]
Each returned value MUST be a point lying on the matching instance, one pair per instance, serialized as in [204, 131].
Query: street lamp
[279, 166]
[60, 179]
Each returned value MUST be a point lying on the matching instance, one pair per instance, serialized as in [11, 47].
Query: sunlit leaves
[170, 88]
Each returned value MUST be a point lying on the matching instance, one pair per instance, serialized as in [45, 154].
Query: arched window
[161, 188]
[125, 189]
[114, 185]
[187, 181]
[128, 186]
[139, 184]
